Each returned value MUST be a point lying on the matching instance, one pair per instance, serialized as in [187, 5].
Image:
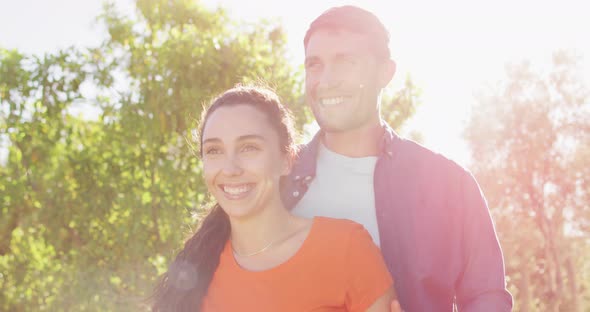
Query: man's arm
[482, 286]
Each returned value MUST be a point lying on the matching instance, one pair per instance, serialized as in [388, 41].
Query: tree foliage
[400, 105]
[94, 206]
[529, 138]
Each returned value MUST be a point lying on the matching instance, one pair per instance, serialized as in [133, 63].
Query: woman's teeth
[236, 190]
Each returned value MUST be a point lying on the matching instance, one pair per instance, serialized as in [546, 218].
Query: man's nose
[331, 77]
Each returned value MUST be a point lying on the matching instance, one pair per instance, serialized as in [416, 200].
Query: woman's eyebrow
[240, 138]
[212, 140]
[251, 137]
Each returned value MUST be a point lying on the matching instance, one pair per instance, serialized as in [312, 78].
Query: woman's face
[242, 160]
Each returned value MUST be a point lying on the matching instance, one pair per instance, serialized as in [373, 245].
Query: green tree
[528, 137]
[94, 206]
[400, 105]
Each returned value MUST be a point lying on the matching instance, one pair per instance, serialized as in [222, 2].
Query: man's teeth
[236, 190]
[332, 101]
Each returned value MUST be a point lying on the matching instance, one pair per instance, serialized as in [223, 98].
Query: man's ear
[386, 73]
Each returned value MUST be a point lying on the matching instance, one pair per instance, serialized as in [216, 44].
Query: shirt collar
[306, 160]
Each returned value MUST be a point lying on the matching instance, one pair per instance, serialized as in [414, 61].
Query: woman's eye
[250, 148]
[212, 151]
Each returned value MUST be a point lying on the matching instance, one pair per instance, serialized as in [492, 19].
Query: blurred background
[99, 185]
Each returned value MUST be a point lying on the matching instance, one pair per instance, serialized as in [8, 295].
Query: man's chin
[331, 127]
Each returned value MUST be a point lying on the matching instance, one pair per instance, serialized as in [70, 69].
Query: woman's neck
[256, 232]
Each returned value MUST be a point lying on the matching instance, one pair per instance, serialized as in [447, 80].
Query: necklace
[254, 253]
[265, 248]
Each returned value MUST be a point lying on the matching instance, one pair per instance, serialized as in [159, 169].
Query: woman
[250, 253]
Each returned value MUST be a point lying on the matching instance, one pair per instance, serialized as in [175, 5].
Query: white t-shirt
[343, 189]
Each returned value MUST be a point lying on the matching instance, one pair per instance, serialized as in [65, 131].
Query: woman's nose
[232, 166]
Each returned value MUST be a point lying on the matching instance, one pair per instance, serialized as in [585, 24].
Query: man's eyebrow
[339, 56]
[345, 55]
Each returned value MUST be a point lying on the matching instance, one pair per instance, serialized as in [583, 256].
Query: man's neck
[361, 142]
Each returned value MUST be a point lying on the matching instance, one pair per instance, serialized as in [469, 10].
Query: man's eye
[312, 65]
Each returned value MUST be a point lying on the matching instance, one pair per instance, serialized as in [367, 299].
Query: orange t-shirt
[337, 268]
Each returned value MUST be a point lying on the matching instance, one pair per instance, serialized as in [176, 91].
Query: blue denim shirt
[436, 233]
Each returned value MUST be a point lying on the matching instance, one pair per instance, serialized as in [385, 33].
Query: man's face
[343, 80]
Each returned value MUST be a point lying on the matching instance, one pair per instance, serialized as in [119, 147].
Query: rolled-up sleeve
[482, 286]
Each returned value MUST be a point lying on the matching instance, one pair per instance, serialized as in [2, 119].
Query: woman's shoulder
[334, 223]
[351, 244]
[338, 231]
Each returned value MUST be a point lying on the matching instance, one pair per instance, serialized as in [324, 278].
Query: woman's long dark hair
[185, 285]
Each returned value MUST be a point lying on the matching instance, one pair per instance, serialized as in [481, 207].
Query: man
[426, 213]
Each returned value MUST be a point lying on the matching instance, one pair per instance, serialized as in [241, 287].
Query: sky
[451, 48]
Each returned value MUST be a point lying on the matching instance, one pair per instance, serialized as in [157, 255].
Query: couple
[268, 244]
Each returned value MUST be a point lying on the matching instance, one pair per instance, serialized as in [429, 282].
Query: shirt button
[307, 178]
[295, 194]
[297, 178]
